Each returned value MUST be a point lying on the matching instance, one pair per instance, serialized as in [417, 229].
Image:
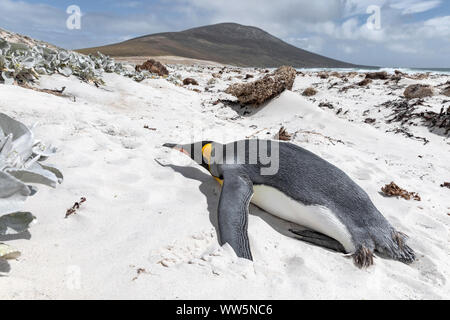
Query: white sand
[160, 220]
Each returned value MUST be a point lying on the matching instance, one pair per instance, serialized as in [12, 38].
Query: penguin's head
[200, 152]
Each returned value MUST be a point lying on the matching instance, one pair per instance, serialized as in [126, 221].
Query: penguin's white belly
[317, 218]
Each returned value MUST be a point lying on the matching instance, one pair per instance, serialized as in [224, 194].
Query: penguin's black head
[200, 152]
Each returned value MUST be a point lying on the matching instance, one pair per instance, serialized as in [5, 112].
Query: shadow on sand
[4, 267]
[248, 110]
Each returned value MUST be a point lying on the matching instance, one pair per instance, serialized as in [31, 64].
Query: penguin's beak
[176, 147]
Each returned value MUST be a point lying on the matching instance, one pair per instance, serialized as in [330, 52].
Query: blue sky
[413, 33]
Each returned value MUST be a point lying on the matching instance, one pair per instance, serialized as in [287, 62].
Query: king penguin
[296, 185]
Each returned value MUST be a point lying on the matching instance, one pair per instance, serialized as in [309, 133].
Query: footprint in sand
[186, 250]
[362, 173]
[130, 143]
[429, 272]
[202, 249]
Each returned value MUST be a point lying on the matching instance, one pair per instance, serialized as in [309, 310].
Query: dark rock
[364, 82]
[420, 91]
[336, 74]
[190, 81]
[446, 91]
[381, 75]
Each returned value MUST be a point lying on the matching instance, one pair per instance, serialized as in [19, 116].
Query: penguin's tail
[395, 247]
[402, 251]
[386, 242]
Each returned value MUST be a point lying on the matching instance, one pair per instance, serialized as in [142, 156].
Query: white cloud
[21, 13]
[348, 49]
[415, 6]
[357, 7]
[438, 27]
[402, 48]
[313, 44]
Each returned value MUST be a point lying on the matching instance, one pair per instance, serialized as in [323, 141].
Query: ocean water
[445, 71]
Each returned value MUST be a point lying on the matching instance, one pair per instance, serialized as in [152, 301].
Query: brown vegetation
[309, 92]
[393, 190]
[259, 91]
[153, 66]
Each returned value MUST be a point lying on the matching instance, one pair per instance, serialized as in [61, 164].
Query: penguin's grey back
[311, 180]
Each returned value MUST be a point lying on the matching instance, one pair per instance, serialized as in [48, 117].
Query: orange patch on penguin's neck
[206, 152]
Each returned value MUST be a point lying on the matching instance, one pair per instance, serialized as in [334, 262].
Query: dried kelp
[393, 190]
[283, 135]
[75, 207]
[309, 92]
[405, 111]
[445, 185]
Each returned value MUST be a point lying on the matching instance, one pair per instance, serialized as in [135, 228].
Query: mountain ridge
[227, 43]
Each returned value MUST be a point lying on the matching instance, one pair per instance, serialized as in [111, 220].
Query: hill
[227, 43]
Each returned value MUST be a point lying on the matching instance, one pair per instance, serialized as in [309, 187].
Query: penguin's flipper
[236, 194]
[318, 239]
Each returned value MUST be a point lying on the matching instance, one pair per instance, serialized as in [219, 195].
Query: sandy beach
[148, 227]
